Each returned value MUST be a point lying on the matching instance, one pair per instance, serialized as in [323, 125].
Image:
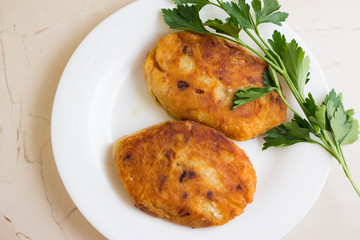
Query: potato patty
[194, 77]
[185, 172]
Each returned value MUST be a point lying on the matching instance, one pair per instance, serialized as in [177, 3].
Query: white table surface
[37, 38]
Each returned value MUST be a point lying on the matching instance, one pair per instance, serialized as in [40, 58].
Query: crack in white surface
[7, 219]
[20, 133]
[3, 55]
[70, 213]
[22, 151]
[23, 37]
[40, 118]
[41, 30]
[25, 153]
[42, 148]
[45, 192]
[19, 235]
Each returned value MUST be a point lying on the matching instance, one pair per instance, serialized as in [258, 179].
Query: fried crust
[186, 173]
[194, 77]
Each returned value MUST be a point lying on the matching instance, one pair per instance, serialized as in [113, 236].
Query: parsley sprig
[329, 125]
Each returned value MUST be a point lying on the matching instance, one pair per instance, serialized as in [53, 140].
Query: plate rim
[58, 99]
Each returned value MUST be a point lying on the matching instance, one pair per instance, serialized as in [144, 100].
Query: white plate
[102, 96]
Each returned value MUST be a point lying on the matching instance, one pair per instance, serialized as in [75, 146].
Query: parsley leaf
[340, 122]
[295, 129]
[229, 27]
[320, 117]
[239, 11]
[297, 65]
[279, 137]
[184, 17]
[246, 95]
[269, 13]
[332, 102]
[287, 134]
[310, 105]
[307, 78]
[278, 42]
[339, 126]
[268, 77]
[353, 134]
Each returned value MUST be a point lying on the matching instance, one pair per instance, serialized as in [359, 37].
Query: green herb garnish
[328, 125]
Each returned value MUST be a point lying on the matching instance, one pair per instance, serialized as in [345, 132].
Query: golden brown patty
[194, 77]
[186, 173]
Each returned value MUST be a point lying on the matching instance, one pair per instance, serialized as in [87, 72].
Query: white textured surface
[37, 38]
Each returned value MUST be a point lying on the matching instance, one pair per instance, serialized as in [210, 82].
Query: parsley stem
[343, 163]
[216, 5]
[339, 156]
[324, 147]
[347, 173]
[328, 143]
[337, 153]
[263, 49]
[270, 62]
[280, 62]
[342, 155]
[286, 102]
[299, 98]
[238, 41]
[262, 40]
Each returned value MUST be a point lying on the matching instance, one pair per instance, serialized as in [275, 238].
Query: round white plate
[102, 96]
